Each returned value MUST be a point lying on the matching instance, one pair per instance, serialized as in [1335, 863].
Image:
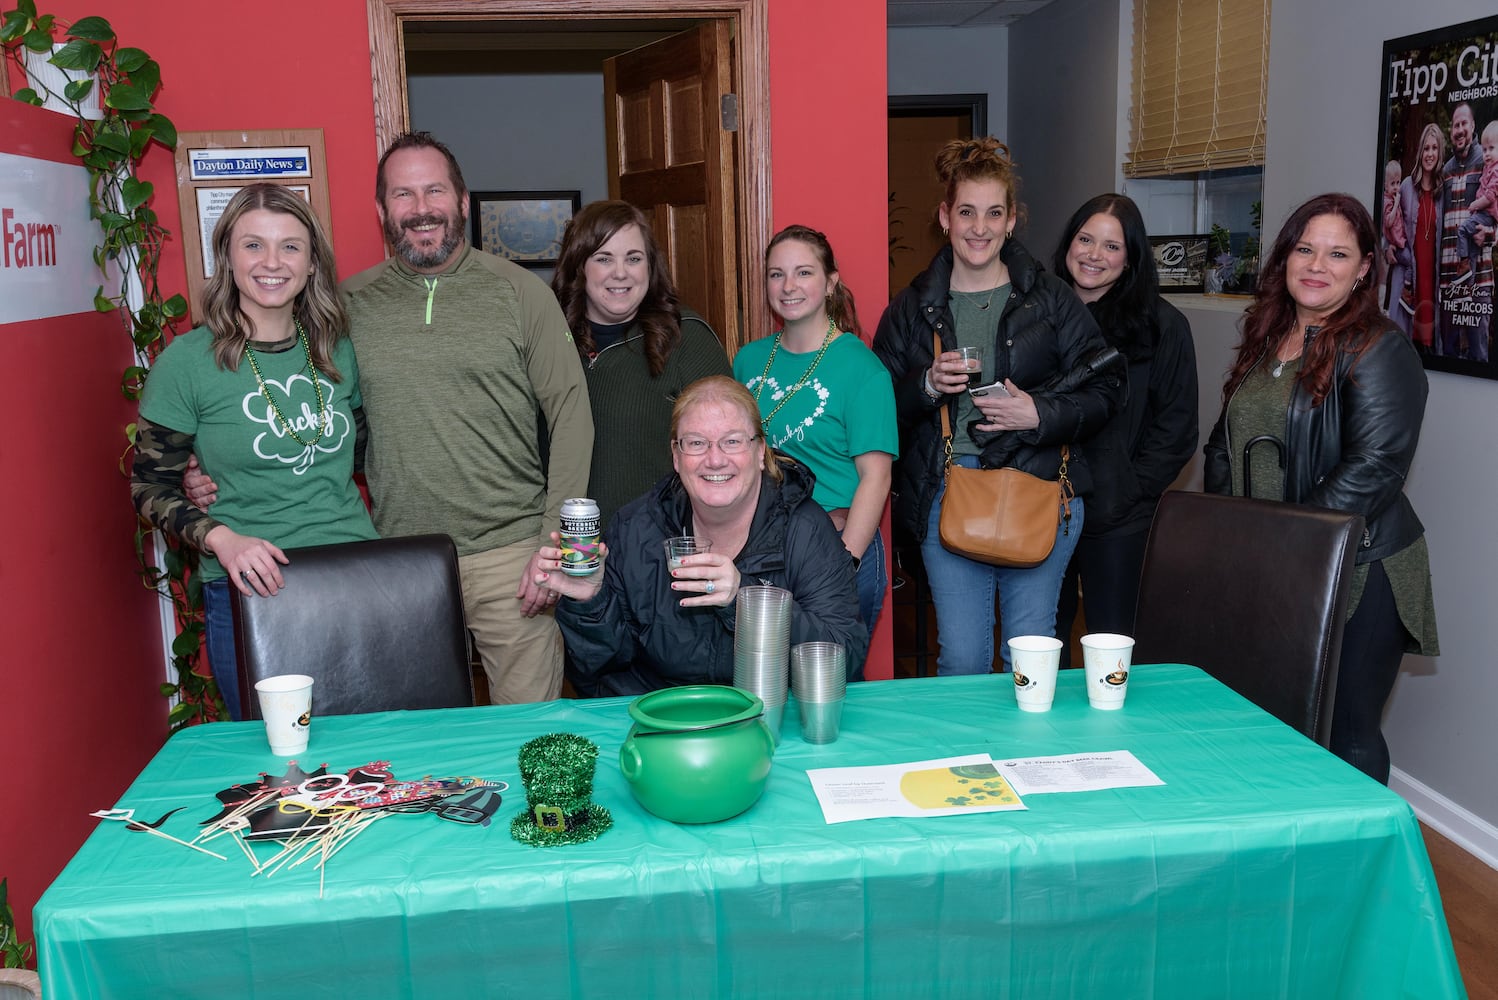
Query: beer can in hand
[580, 536]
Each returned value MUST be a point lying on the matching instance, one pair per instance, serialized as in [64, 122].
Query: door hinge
[730, 112]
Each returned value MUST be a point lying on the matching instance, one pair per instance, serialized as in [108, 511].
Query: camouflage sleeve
[361, 439]
[161, 456]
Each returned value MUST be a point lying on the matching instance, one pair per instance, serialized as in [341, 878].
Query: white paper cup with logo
[1107, 657]
[286, 706]
[1036, 659]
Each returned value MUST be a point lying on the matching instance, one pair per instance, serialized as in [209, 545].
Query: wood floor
[1469, 893]
[1469, 888]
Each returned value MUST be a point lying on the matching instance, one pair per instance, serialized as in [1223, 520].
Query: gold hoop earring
[945, 231]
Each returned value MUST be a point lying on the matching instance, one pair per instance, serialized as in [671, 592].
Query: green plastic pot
[697, 754]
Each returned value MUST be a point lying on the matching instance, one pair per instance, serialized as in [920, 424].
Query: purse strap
[1064, 481]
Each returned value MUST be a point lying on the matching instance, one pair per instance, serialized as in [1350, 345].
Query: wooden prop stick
[224, 826]
[167, 836]
[127, 816]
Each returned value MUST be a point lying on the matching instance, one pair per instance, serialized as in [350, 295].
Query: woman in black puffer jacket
[986, 291]
[1105, 256]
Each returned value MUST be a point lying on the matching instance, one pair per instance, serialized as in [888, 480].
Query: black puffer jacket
[634, 636]
[1143, 448]
[1043, 332]
[1353, 452]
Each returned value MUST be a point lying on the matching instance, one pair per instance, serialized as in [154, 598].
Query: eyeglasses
[734, 444]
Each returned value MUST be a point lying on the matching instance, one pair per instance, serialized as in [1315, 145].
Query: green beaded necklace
[322, 406]
[765, 375]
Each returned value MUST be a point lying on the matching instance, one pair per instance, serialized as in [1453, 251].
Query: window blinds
[1200, 85]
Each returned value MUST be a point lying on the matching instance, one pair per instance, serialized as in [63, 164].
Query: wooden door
[670, 155]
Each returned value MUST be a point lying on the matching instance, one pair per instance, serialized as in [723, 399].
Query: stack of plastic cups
[761, 649]
[819, 678]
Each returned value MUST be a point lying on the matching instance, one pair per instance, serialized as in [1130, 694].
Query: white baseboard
[1471, 833]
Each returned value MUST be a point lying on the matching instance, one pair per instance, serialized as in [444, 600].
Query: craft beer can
[579, 536]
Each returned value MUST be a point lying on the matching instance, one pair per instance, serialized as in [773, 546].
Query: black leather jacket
[1043, 332]
[634, 636]
[1353, 452]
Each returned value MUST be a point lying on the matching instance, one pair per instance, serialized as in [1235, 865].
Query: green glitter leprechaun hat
[558, 773]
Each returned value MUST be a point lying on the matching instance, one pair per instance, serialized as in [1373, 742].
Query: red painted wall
[79, 712]
[301, 65]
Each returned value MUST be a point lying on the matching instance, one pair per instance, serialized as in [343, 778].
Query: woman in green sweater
[639, 347]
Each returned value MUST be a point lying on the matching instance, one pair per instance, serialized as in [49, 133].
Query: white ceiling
[958, 13]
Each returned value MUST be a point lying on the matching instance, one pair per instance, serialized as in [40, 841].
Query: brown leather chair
[1255, 593]
[378, 625]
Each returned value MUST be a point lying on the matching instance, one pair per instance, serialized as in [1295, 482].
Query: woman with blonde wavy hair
[266, 393]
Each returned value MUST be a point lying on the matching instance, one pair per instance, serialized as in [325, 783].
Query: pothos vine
[110, 147]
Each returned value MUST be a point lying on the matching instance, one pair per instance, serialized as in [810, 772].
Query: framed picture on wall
[523, 226]
[1437, 182]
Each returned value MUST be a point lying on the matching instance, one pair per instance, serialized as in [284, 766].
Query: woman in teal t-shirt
[266, 392]
[826, 400]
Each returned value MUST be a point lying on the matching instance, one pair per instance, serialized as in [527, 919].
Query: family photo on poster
[1438, 192]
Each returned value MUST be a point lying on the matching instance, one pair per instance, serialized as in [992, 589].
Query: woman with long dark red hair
[1323, 406]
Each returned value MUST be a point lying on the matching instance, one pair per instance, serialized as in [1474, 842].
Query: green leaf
[181, 713]
[102, 302]
[163, 131]
[15, 24]
[77, 90]
[78, 54]
[29, 96]
[135, 193]
[126, 97]
[147, 77]
[139, 139]
[114, 142]
[27, 7]
[175, 307]
[167, 690]
[130, 60]
[38, 39]
[95, 28]
[185, 644]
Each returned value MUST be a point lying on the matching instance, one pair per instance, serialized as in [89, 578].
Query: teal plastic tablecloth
[1263, 867]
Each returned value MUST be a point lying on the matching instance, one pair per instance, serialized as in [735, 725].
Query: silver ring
[711, 586]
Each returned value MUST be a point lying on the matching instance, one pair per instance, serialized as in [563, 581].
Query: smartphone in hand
[991, 389]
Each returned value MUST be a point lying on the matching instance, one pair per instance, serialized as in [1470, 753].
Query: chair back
[378, 625]
[1255, 593]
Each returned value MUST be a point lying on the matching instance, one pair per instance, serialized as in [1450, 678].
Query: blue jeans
[871, 580]
[962, 590]
[218, 636]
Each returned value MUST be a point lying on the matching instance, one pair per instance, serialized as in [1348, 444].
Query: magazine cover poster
[1437, 199]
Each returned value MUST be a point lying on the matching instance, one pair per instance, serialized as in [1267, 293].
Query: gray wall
[1324, 83]
[953, 61]
[518, 132]
[1063, 111]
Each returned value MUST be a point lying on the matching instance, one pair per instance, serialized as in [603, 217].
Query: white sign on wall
[47, 240]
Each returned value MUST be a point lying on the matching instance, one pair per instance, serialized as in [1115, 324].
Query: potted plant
[110, 143]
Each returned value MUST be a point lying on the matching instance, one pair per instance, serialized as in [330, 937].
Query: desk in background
[1264, 867]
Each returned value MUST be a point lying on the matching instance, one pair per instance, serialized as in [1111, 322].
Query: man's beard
[435, 257]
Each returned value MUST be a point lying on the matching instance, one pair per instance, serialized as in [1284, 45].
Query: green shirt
[632, 410]
[269, 485]
[457, 369]
[975, 318]
[845, 409]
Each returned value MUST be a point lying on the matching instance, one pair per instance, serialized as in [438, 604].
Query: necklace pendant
[1279, 370]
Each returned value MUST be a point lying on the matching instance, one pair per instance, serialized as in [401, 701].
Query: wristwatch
[927, 388]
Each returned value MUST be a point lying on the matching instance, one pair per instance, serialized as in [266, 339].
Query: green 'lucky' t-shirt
[269, 485]
[845, 409]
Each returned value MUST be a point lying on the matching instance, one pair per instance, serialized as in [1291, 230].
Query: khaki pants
[522, 656]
